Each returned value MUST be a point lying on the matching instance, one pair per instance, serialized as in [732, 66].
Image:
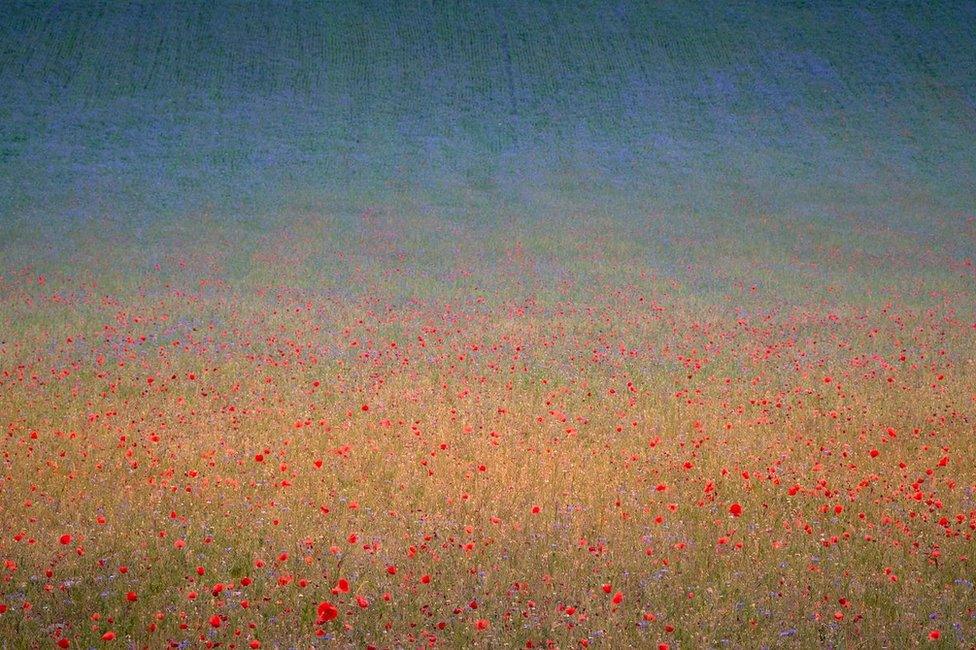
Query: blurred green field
[486, 111]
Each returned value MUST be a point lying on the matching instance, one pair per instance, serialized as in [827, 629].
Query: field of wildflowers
[359, 326]
[540, 438]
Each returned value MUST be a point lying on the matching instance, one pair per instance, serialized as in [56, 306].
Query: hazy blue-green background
[490, 111]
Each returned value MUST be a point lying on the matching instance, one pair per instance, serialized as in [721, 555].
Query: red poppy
[326, 612]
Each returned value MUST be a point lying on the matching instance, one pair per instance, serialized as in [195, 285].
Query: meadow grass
[522, 420]
[487, 324]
